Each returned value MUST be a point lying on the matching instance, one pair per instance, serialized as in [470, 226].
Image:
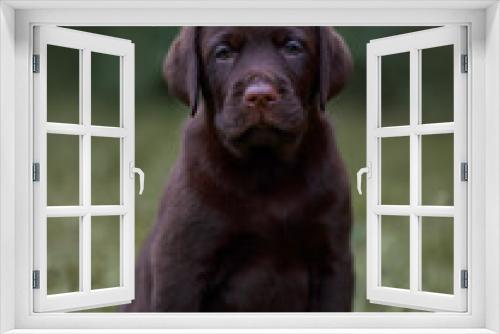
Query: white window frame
[413, 44]
[86, 44]
[16, 20]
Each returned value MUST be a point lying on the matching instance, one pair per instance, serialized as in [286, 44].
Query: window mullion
[86, 172]
[415, 172]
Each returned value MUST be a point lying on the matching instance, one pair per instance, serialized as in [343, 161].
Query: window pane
[105, 252]
[105, 90]
[63, 255]
[437, 169]
[106, 309]
[395, 89]
[63, 84]
[395, 173]
[437, 254]
[105, 171]
[437, 84]
[395, 237]
[63, 176]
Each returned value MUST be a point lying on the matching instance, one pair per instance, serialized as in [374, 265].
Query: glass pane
[105, 90]
[63, 244]
[395, 237]
[105, 252]
[437, 169]
[63, 176]
[395, 89]
[63, 84]
[437, 254]
[107, 309]
[437, 84]
[395, 170]
[105, 170]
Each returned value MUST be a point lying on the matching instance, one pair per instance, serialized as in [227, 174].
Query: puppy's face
[259, 84]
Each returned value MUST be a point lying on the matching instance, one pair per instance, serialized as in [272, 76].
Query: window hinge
[36, 63]
[36, 172]
[465, 64]
[464, 279]
[464, 171]
[36, 279]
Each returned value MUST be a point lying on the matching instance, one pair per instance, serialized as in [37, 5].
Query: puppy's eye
[223, 52]
[293, 47]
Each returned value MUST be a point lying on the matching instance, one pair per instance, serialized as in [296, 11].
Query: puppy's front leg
[181, 259]
[332, 276]
[335, 287]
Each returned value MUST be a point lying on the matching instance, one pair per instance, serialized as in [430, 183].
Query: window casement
[416, 210]
[85, 210]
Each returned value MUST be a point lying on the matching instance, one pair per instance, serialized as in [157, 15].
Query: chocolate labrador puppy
[256, 215]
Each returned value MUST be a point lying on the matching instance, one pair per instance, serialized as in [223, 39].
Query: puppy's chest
[256, 273]
[271, 249]
[262, 211]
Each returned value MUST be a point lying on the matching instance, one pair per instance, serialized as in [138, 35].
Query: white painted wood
[86, 297]
[429, 301]
[373, 228]
[492, 184]
[414, 43]
[395, 15]
[76, 39]
[419, 210]
[415, 170]
[478, 193]
[40, 156]
[418, 129]
[82, 172]
[78, 211]
[174, 13]
[266, 331]
[78, 129]
[127, 231]
[245, 5]
[82, 300]
[460, 154]
[7, 167]
[424, 39]
[85, 167]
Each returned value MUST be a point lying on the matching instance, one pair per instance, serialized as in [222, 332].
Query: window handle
[365, 170]
[134, 170]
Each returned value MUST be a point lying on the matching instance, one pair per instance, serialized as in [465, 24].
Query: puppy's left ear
[335, 64]
[182, 66]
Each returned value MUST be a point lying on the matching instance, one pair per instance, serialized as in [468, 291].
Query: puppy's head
[260, 85]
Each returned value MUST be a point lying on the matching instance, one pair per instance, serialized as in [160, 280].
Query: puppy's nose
[260, 94]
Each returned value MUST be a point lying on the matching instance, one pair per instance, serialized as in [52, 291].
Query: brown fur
[256, 215]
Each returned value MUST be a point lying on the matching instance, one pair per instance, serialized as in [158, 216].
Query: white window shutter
[85, 297]
[415, 297]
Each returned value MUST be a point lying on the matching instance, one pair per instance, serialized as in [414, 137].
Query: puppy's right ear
[181, 68]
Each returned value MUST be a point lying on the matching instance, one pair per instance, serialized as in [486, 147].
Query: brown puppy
[256, 215]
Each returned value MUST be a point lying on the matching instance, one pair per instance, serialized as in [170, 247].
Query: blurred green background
[159, 121]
